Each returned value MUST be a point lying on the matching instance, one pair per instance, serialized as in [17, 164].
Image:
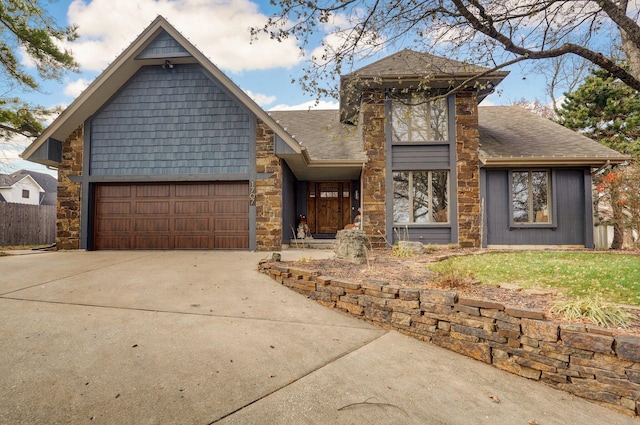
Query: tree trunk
[633, 54]
[617, 213]
[618, 236]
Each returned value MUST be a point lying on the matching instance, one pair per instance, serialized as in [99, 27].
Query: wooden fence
[22, 224]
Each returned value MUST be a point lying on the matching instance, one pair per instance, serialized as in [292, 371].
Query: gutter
[552, 161]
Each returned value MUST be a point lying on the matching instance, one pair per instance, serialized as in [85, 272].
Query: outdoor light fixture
[167, 64]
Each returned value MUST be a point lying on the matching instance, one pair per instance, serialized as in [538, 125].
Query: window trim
[413, 223]
[552, 223]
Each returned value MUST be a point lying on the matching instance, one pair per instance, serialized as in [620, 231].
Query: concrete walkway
[202, 338]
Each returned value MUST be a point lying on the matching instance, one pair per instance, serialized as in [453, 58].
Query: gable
[156, 45]
[163, 46]
[171, 121]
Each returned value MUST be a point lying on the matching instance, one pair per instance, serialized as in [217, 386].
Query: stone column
[467, 165]
[374, 216]
[69, 204]
[268, 191]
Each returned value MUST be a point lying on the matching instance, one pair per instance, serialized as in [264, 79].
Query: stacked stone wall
[587, 361]
[468, 182]
[268, 191]
[374, 216]
[69, 206]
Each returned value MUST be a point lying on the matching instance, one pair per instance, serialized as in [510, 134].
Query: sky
[220, 29]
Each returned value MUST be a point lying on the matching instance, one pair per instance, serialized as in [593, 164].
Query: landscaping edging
[587, 361]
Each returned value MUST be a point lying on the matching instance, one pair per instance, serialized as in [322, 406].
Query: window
[419, 120]
[420, 196]
[530, 196]
[25, 193]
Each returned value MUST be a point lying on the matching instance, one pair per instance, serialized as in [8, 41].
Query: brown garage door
[172, 216]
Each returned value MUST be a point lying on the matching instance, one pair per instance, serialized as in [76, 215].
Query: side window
[420, 197]
[531, 196]
[416, 119]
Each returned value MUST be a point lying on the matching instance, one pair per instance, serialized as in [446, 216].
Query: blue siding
[435, 234]
[163, 46]
[289, 217]
[420, 157]
[174, 121]
[568, 194]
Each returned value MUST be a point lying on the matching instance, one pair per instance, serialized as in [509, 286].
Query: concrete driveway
[202, 338]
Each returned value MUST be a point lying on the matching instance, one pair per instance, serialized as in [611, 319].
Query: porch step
[312, 243]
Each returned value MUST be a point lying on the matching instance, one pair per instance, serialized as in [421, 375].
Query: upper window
[25, 193]
[420, 196]
[531, 196]
[416, 119]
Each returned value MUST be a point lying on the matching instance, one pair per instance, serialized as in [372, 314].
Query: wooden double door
[329, 206]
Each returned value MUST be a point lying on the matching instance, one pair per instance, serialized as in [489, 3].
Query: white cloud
[219, 28]
[312, 104]
[261, 99]
[10, 155]
[74, 88]
[340, 32]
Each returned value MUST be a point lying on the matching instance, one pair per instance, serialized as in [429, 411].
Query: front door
[329, 206]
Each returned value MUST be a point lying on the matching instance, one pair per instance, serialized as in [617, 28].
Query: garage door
[172, 216]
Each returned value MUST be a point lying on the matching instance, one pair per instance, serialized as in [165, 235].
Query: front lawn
[614, 277]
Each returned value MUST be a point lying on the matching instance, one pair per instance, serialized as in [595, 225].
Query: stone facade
[268, 191]
[69, 192]
[374, 216]
[467, 166]
[587, 361]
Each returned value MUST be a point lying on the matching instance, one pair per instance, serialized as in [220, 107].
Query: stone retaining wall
[587, 361]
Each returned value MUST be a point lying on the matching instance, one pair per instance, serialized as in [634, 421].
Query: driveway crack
[322, 366]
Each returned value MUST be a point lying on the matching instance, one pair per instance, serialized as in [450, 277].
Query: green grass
[614, 277]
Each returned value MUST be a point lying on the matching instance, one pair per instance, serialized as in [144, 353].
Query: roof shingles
[322, 134]
[511, 132]
[509, 135]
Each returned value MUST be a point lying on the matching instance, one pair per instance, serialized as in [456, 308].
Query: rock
[412, 247]
[351, 245]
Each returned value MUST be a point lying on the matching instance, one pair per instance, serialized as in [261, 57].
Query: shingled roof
[511, 135]
[408, 63]
[322, 134]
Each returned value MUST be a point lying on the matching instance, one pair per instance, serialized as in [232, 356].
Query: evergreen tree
[606, 110]
[27, 31]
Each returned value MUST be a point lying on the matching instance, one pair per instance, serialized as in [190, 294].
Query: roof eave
[551, 161]
[336, 163]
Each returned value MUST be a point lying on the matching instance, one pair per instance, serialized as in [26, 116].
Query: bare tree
[492, 33]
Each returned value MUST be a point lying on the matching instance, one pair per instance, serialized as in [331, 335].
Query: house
[20, 188]
[28, 187]
[164, 151]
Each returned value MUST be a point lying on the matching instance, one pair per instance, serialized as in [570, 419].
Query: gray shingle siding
[174, 121]
[163, 46]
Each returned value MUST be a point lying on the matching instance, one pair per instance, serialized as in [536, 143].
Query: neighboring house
[20, 189]
[163, 151]
[46, 182]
